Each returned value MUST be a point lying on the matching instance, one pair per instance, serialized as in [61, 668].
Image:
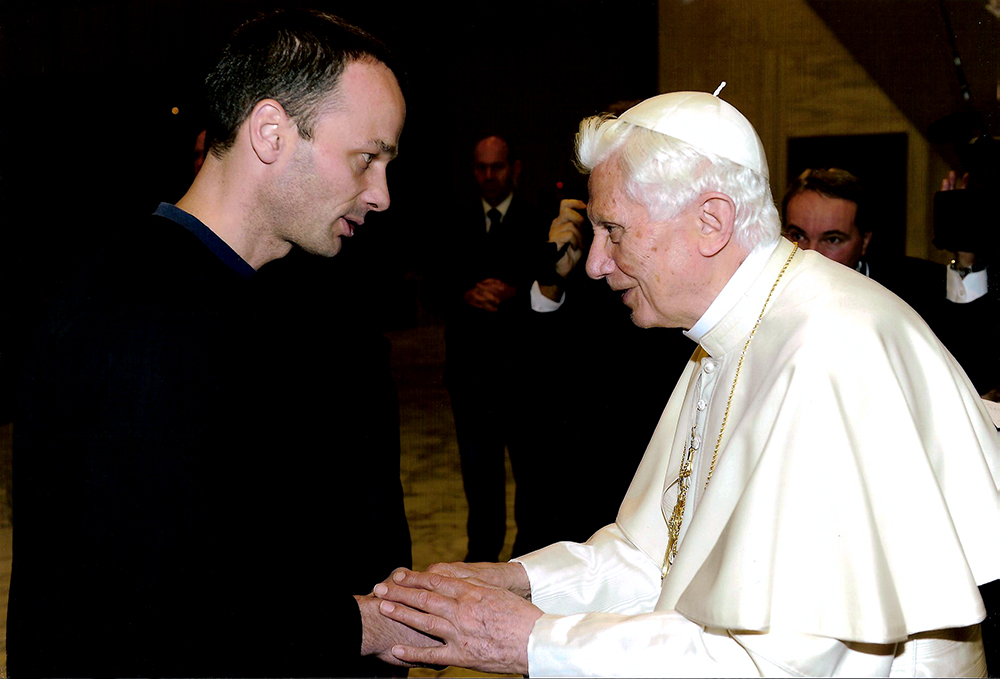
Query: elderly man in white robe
[821, 494]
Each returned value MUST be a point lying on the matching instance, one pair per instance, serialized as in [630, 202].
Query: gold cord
[677, 515]
[732, 390]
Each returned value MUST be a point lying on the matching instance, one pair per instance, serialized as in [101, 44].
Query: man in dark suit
[573, 322]
[488, 261]
[825, 210]
[196, 440]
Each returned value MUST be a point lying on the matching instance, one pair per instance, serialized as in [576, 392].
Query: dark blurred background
[102, 103]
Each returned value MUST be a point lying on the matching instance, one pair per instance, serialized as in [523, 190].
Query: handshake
[471, 615]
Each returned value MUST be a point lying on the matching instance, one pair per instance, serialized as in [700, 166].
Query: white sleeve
[658, 644]
[599, 599]
[607, 573]
[666, 644]
[541, 303]
[964, 290]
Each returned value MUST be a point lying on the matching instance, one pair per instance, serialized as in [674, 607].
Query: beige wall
[791, 77]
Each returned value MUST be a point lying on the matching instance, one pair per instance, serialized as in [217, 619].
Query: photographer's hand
[952, 181]
[566, 230]
[963, 260]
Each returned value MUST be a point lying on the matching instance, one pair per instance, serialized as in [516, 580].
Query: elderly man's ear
[716, 217]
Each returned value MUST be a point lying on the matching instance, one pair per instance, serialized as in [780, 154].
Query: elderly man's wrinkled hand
[483, 627]
[509, 576]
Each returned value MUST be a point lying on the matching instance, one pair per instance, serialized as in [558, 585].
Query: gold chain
[677, 516]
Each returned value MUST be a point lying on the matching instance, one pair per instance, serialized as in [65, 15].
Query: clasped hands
[489, 294]
[480, 612]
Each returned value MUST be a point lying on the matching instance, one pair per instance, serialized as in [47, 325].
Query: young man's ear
[716, 221]
[269, 130]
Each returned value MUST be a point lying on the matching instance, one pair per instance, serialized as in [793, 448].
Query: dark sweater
[206, 469]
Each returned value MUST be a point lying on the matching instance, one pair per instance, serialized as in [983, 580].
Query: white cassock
[852, 513]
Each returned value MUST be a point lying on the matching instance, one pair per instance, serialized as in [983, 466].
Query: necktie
[494, 216]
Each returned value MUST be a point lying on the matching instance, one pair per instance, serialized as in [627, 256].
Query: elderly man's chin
[644, 322]
[645, 316]
[642, 317]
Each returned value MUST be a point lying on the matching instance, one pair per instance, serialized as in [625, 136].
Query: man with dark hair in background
[194, 437]
[827, 215]
[827, 210]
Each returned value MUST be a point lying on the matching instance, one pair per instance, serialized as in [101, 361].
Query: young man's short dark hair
[295, 57]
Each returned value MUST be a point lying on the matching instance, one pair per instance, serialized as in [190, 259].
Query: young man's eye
[368, 157]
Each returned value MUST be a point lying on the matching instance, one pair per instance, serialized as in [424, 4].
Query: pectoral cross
[677, 515]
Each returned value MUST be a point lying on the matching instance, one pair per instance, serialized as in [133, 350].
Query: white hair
[665, 174]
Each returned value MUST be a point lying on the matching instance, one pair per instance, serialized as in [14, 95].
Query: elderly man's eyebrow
[606, 223]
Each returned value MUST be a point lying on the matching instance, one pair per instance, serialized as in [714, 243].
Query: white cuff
[964, 290]
[541, 303]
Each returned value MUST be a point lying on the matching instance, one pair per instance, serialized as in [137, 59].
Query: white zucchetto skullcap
[705, 122]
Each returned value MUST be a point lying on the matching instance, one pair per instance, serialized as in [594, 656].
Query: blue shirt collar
[218, 246]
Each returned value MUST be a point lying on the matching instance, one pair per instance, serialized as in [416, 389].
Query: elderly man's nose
[599, 264]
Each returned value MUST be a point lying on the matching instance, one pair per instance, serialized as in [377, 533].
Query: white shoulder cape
[855, 495]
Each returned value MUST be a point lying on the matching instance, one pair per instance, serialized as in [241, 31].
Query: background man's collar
[502, 207]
